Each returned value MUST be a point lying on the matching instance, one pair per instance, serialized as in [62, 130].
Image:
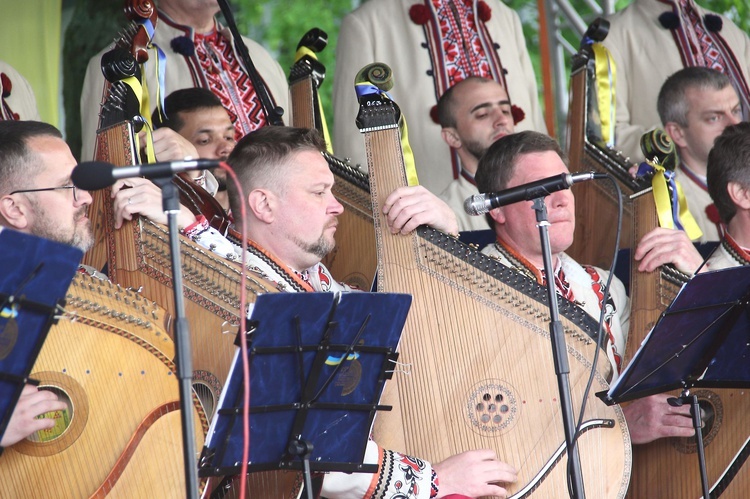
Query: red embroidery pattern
[707, 54]
[597, 285]
[561, 283]
[325, 280]
[462, 48]
[701, 44]
[229, 82]
[6, 113]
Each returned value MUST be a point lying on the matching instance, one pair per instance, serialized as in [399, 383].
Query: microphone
[479, 204]
[95, 175]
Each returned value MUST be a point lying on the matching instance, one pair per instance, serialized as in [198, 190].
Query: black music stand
[35, 273]
[318, 365]
[701, 341]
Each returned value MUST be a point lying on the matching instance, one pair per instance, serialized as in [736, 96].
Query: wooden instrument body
[479, 356]
[111, 357]
[668, 467]
[353, 260]
[596, 202]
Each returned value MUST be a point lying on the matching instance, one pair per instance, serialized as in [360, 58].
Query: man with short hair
[37, 194]
[695, 105]
[431, 45]
[37, 197]
[526, 157]
[196, 126]
[198, 116]
[729, 185]
[473, 114]
[652, 39]
[291, 217]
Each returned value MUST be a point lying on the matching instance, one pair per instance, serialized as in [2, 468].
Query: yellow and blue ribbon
[410, 167]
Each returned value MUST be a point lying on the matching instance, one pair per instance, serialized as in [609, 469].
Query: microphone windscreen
[473, 204]
[93, 175]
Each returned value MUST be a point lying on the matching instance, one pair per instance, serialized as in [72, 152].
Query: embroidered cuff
[402, 475]
[435, 485]
[192, 230]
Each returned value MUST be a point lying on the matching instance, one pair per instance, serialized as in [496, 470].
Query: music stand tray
[35, 273]
[318, 365]
[701, 340]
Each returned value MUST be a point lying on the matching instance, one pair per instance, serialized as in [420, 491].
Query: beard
[319, 248]
[475, 148]
[81, 236]
[322, 246]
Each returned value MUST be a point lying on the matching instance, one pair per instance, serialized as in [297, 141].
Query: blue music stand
[701, 341]
[35, 273]
[318, 365]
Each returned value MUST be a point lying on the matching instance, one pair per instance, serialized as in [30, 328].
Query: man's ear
[498, 215]
[450, 136]
[739, 194]
[262, 204]
[676, 133]
[14, 213]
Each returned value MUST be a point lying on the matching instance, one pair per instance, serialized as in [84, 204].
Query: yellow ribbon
[141, 93]
[605, 90]
[410, 166]
[302, 52]
[663, 203]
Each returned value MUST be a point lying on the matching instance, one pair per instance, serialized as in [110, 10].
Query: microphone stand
[183, 359]
[560, 355]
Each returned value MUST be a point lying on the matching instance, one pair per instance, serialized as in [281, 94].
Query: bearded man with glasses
[36, 194]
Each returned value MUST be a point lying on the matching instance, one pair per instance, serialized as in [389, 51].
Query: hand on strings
[409, 207]
[32, 403]
[651, 418]
[170, 145]
[139, 196]
[474, 473]
[662, 246]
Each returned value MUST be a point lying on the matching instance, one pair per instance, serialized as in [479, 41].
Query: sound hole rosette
[208, 388]
[491, 407]
[78, 407]
[711, 404]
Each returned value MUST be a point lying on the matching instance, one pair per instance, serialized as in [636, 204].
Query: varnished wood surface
[669, 467]
[111, 356]
[478, 354]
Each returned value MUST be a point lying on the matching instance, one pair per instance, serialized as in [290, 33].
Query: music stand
[701, 341]
[35, 273]
[318, 365]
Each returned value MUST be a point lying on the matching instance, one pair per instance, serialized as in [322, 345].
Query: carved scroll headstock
[376, 111]
[315, 41]
[596, 33]
[658, 146]
[140, 10]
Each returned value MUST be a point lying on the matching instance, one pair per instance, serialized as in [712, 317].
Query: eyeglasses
[75, 194]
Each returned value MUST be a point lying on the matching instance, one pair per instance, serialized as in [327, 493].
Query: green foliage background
[279, 25]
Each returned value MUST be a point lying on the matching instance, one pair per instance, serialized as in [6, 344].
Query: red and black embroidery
[610, 310]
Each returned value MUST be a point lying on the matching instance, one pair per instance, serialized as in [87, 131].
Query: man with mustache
[37, 197]
[473, 114]
[291, 218]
